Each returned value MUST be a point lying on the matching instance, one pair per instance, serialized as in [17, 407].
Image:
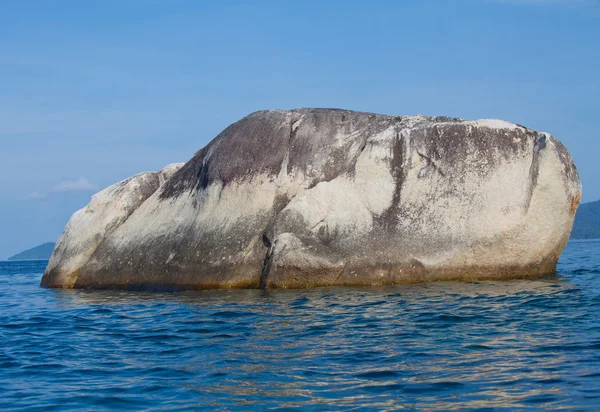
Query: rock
[319, 197]
[90, 226]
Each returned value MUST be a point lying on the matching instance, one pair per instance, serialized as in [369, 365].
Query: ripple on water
[497, 345]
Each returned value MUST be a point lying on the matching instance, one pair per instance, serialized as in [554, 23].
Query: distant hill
[42, 251]
[587, 221]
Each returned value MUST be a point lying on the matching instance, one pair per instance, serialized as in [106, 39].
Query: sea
[514, 345]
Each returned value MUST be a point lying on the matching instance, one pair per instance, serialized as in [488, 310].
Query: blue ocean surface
[531, 344]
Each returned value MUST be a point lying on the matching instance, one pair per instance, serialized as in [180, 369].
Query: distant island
[587, 221]
[41, 252]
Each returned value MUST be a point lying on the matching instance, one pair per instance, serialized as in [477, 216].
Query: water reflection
[452, 345]
[359, 296]
[514, 345]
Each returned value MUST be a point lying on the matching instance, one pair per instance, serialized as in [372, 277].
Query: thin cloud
[77, 185]
[35, 195]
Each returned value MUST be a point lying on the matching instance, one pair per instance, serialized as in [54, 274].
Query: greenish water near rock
[484, 345]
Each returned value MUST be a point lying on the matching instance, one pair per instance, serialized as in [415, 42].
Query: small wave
[379, 374]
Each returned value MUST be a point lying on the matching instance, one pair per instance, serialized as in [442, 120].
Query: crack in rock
[432, 163]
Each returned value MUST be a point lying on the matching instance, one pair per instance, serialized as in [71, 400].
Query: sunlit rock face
[89, 227]
[319, 197]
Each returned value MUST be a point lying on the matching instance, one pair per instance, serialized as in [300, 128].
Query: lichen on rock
[319, 197]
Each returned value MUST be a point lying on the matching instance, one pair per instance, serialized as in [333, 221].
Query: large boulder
[318, 197]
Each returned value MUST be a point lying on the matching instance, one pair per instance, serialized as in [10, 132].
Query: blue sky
[95, 91]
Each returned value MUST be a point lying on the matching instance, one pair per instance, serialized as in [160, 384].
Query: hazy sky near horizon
[93, 92]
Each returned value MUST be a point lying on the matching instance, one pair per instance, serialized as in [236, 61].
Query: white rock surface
[88, 227]
[316, 197]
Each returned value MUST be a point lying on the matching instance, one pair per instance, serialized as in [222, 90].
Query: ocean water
[484, 345]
